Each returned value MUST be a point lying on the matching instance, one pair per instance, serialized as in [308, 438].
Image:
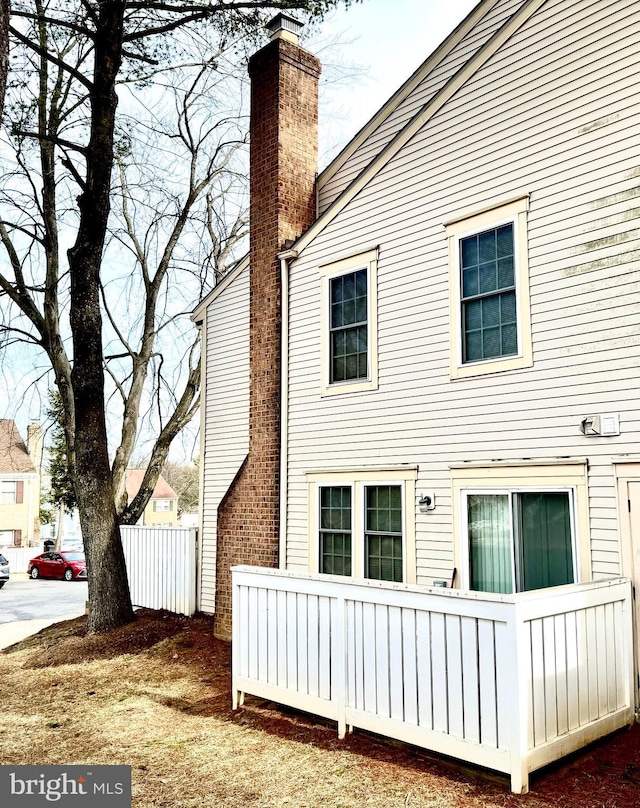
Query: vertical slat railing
[490, 679]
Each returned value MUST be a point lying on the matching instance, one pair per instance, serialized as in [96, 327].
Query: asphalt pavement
[28, 606]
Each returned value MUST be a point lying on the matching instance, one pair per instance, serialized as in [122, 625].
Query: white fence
[510, 682]
[161, 566]
[19, 557]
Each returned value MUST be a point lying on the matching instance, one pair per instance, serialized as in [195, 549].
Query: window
[348, 340]
[11, 492]
[349, 324]
[489, 322]
[518, 526]
[162, 505]
[490, 319]
[519, 540]
[335, 530]
[383, 533]
[360, 524]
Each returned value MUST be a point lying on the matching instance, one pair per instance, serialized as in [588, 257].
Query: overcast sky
[388, 40]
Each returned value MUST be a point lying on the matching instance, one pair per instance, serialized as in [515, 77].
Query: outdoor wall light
[427, 501]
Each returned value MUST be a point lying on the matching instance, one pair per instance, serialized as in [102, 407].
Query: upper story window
[488, 294]
[162, 505]
[348, 342]
[489, 277]
[11, 491]
[349, 350]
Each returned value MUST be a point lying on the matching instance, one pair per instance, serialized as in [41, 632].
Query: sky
[368, 52]
[386, 41]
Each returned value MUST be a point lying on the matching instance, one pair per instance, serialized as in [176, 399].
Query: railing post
[236, 629]
[519, 709]
[339, 661]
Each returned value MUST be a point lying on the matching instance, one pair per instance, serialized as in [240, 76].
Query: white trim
[284, 408]
[367, 261]
[358, 480]
[513, 212]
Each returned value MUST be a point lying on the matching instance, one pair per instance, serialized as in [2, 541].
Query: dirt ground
[156, 695]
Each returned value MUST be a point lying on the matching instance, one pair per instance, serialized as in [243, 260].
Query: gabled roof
[14, 457]
[407, 88]
[471, 66]
[162, 490]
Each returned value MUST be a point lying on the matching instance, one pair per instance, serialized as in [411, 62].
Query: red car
[65, 564]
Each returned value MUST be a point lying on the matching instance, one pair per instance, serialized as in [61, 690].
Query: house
[162, 508]
[19, 484]
[421, 395]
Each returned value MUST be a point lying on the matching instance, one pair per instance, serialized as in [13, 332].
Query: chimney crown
[283, 26]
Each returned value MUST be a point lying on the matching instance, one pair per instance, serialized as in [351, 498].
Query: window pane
[469, 251]
[383, 532]
[335, 530]
[490, 553]
[545, 540]
[384, 558]
[348, 341]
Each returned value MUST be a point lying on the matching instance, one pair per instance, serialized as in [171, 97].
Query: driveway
[27, 606]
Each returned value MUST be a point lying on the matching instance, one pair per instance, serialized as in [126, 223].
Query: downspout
[284, 257]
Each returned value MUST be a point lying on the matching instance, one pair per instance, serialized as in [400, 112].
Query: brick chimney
[283, 160]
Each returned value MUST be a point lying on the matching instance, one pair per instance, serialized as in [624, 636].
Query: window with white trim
[519, 540]
[489, 276]
[349, 324]
[521, 527]
[361, 525]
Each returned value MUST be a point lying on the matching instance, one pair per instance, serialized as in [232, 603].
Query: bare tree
[67, 138]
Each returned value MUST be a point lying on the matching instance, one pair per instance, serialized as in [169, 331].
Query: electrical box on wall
[604, 425]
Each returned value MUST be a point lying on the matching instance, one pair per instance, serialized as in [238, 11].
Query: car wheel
[68, 574]
[35, 573]
[2, 583]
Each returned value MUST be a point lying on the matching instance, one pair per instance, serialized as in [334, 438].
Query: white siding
[555, 113]
[226, 402]
[330, 189]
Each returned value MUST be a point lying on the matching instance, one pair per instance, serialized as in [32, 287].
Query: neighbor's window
[162, 505]
[11, 492]
[519, 541]
[335, 530]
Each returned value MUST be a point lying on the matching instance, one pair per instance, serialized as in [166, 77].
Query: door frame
[627, 471]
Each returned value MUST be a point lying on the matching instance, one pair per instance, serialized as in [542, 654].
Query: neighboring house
[436, 436]
[19, 484]
[162, 508]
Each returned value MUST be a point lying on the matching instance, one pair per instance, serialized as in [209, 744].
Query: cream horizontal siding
[329, 190]
[555, 113]
[226, 431]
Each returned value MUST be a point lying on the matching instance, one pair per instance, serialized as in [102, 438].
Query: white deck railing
[511, 682]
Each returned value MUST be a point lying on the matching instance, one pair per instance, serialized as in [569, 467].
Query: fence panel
[19, 557]
[161, 566]
[490, 679]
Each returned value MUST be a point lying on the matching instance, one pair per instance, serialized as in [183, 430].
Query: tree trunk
[109, 598]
